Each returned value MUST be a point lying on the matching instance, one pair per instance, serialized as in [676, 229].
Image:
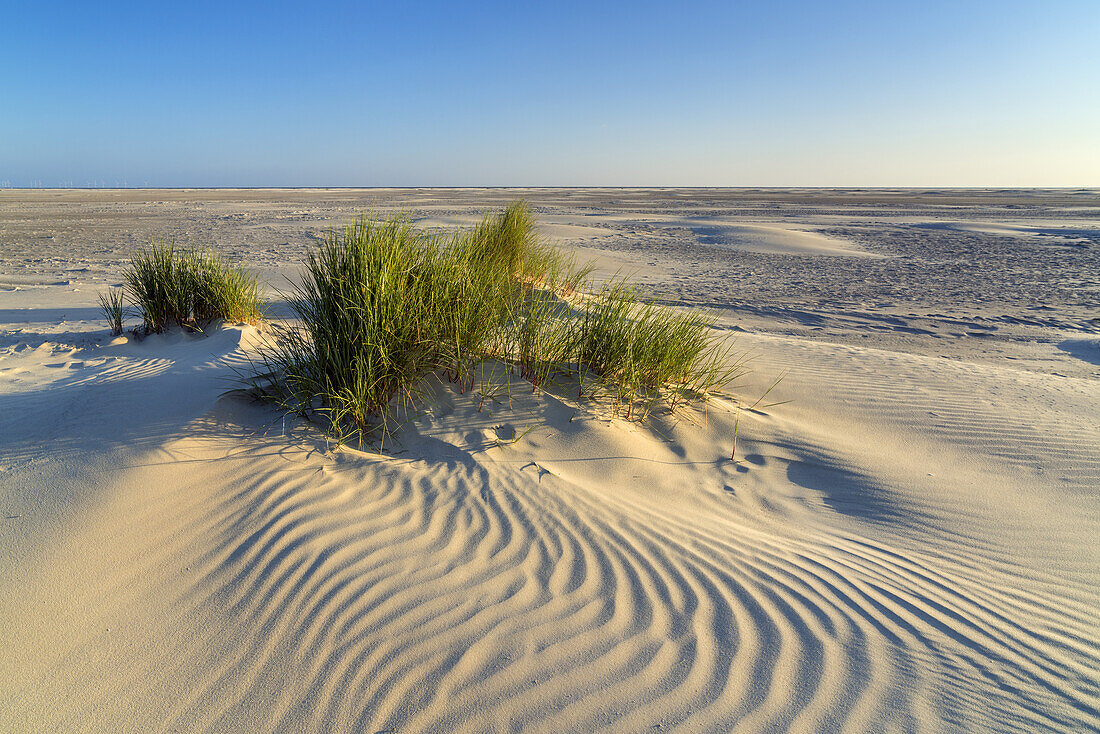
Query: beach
[888, 524]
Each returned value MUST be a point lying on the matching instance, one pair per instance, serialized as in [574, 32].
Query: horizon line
[879, 187]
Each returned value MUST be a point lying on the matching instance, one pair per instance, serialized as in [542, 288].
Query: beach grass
[474, 296]
[368, 329]
[112, 304]
[543, 332]
[639, 354]
[189, 288]
[383, 304]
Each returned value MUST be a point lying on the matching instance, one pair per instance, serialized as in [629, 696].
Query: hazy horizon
[640, 95]
[5, 186]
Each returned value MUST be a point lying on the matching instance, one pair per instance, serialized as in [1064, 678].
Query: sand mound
[184, 559]
[1052, 234]
[774, 239]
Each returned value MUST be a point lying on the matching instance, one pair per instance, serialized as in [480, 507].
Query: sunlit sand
[900, 536]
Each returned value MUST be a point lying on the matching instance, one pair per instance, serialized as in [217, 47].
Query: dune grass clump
[368, 329]
[542, 337]
[384, 304]
[510, 242]
[473, 297]
[220, 290]
[112, 304]
[151, 285]
[640, 353]
[189, 288]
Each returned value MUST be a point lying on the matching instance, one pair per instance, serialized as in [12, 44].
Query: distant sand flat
[905, 542]
[558, 228]
[762, 237]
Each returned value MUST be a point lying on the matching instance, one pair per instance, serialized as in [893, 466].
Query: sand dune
[1051, 233]
[908, 544]
[773, 239]
[590, 575]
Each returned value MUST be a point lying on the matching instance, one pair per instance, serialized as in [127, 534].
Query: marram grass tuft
[113, 307]
[189, 288]
[384, 304]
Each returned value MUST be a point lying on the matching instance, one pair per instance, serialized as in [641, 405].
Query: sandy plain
[906, 543]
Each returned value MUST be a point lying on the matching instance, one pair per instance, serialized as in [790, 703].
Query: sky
[563, 93]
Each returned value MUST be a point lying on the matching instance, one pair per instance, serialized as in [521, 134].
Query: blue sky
[807, 93]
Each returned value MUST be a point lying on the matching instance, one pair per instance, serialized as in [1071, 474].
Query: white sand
[908, 544]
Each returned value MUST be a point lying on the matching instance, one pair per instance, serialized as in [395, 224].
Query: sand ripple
[590, 578]
[460, 595]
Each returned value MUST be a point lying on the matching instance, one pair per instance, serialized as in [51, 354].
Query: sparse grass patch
[641, 353]
[113, 307]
